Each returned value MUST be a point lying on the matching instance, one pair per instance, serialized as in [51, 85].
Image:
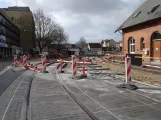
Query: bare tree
[47, 31]
[81, 43]
[62, 38]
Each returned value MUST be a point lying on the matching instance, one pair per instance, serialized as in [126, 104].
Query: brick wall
[143, 30]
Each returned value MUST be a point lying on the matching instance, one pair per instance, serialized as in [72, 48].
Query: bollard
[127, 83]
[128, 70]
[83, 70]
[74, 65]
[60, 67]
[15, 59]
[25, 61]
[43, 59]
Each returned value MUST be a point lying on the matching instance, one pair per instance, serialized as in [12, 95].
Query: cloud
[93, 19]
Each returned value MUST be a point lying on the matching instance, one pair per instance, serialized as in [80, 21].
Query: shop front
[7, 51]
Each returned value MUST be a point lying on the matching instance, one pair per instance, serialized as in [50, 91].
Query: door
[156, 48]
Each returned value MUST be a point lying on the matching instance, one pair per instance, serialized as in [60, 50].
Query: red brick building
[142, 30]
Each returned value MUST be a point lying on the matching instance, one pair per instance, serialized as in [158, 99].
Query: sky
[92, 19]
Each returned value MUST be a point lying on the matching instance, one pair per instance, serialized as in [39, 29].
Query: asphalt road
[13, 101]
[7, 78]
[4, 63]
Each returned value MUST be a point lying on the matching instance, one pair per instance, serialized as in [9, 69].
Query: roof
[62, 46]
[119, 42]
[95, 45]
[108, 40]
[71, 46]
[149, 10]
[15, 8]
[56, 46]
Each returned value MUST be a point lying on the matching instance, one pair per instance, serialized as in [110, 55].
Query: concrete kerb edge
[25, 104]
[28, 98]
[140, 82]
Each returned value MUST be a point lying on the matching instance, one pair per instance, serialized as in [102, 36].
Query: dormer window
[136, 14]
[153, 9]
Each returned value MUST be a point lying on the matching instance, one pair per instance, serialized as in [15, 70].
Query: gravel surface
[139, 75]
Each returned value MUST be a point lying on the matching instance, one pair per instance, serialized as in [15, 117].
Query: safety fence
[136, 59]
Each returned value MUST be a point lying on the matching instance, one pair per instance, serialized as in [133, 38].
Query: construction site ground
[146, 75]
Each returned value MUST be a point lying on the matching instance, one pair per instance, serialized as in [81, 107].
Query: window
[153, 9]
[132, 45]
[142, 44]
[136, 14]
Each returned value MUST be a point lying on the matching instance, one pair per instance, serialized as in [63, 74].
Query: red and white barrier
[60, 67]
[65, 61]
[74, 65]
[25, 61]
[76, 62]
[84, 62]
[152, 66]
[15, 59]
[43, 59]
[128, 70]
[83, 69]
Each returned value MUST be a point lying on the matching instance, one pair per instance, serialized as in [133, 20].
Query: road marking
[141, 101]
[98, 103]
[143, 91]
[132, 106]
[3, 71]
[12, 98]
[64, 116]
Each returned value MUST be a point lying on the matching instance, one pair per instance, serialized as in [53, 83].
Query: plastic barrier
[43, 59]
[148, 62]
[15, 59]
[74, 65]
[60, 66]
[128, 79]
[25, 61]
[128, 69]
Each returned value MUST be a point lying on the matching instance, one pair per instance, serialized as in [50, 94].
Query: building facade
[94, 49]
[108, 44]
[65, 49]
[9, 37]
[119, 45]
[142, 30]
[144, 39]
[22, 17]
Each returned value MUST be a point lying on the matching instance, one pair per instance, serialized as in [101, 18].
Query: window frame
[142, 43]
[132, 46]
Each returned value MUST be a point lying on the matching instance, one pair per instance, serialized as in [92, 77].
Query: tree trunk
[40, 50]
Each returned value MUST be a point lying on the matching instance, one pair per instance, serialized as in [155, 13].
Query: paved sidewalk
[49, 101]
